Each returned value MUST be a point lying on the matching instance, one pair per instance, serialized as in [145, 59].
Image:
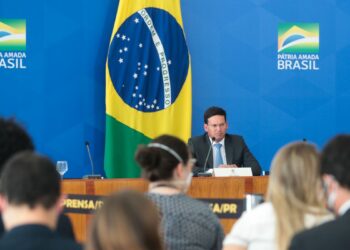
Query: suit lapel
[229, 149]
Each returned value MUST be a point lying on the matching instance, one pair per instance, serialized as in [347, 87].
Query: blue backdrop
[60, 96]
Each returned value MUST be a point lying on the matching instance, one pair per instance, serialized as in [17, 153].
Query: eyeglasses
[221, 125]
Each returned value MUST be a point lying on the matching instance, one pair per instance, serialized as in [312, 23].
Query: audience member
[30, 202]
[127, 220]
[14, 139]
[293, 202]
[335, 169]
[187, 223]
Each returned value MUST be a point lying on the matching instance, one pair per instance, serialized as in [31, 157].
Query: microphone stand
[204, 173]
[92, 175]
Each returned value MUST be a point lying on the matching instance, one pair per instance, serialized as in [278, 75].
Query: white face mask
[185, 183]
[331, 200]
[188, 181]
[331, 197]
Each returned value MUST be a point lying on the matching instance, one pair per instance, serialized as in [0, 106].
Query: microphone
[92, 175]
[204, 174]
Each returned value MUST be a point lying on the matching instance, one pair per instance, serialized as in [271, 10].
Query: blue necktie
[218, 158]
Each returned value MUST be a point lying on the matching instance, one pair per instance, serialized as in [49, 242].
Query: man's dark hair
[13, 139]
[335, 159]
[213, 111]
[30, 179]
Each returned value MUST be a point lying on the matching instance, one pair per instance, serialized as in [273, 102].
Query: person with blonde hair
[187, 223]
[335, 171]
[294, 202]
[127, 220]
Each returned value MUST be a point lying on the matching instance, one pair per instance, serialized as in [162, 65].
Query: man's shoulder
[316, 231]
[35, 236]
[337, 225]
[68, 244]
[47, 243]
[233, 137]
[198, 139]
[331, 232]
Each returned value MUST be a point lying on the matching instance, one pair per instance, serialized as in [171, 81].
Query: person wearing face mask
[187, 223]
[294, 202]
[335, 170]
[227, 150]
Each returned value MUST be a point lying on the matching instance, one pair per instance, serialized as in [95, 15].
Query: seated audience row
[299, 188]
[14, 139]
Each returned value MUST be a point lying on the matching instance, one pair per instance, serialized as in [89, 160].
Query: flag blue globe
[148, 60]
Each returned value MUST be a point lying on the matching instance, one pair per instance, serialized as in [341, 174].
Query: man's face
[216, 127]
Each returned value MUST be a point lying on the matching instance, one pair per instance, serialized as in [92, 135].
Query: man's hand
[228, 166]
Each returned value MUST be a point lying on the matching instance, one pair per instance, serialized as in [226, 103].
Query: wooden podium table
[201, 188]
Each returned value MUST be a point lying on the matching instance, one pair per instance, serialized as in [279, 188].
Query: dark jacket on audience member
[333, 235]
[64, 227]
[34, 237]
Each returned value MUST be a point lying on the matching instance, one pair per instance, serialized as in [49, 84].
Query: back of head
[294, 188]
[30, 179]
[335, 159]
[295, 175]
[212, 111]
[127, 220]
[13, 139]
[159, 163]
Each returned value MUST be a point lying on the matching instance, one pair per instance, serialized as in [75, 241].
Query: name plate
[87, 204]
[82, 204]
[226, 172]
[226, 208]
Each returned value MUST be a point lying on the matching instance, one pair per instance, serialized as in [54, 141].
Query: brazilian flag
[148, 81]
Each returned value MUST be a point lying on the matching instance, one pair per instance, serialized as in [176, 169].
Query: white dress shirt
[344, 208]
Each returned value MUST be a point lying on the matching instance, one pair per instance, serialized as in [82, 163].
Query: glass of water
[62, 167]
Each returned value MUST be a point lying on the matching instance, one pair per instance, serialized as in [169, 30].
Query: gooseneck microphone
[92, 175]
[87, 144]
[204, 174]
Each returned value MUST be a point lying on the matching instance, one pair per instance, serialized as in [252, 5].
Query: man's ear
[3, 203]
[60, 203]
[178, 171]
[330, 182]
[205, 126]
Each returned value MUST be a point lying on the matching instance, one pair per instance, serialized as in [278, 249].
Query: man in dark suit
[30, 202]
[335, 170]
[227, 150]
[14, 139]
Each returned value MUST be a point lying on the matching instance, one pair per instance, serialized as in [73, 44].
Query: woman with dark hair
[127, 220]
[187, 224]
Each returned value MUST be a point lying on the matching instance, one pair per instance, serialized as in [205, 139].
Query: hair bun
[148, 158]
